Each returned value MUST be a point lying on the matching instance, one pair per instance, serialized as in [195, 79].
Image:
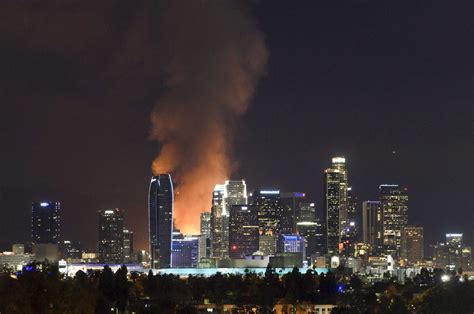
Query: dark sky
[356, 78]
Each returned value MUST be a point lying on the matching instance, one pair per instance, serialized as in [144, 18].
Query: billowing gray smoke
[214, 55]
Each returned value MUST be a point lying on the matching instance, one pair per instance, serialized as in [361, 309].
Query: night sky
[388, 85]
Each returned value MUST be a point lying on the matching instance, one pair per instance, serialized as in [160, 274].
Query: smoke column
[214, 55]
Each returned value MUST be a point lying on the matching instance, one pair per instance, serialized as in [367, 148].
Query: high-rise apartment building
[160, 214]
[46, 222]
[335, 203]
[243, 231]
[110, 245]
[290, 209]
[233, 192]
[205, 236]
[394, 202]
[411, 247]
[372, 224]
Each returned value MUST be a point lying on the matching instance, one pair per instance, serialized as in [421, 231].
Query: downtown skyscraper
[243, 230]
[111, 236]
[335, 203]
[160, 215]
[46, 222]
[232, 192]
[394, 204]
[205, 236]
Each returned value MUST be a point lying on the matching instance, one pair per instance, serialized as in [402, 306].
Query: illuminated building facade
[219, 221]
[110, 247]
[372, 223]
[290, 208]
[411, 247]
[311, 229]
[185, 251]
[46, 222]
[454, 248]
[394, 202]
[160, 214]
[269, 210]
[205, 237]
[127, 246]
[335, 203]
[291, 243]
[71, 250]
[233, 192]
[243, 231]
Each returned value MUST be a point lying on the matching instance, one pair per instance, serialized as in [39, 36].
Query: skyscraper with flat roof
[243, 231]
[309, 226]
[268, 204]
[110, 236]
[46, 222]
[160, 215]
[372, 223]
[127, 246]
[394, 202]
[290, 209]
[232, 192]
[205, 236]
[411, 247]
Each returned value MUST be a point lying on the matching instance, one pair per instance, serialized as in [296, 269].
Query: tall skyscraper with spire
[335, 202]
[160, 215]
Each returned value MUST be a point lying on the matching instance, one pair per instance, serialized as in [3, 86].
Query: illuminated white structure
[335, 203]
[232, 192]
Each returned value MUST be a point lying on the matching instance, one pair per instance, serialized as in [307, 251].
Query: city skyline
[234, 192]
[386, 85]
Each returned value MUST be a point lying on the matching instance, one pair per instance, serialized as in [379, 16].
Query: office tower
[269, 210]
[372, 224]
[233, 192]
[394, 202]
[454, 247]
[127, 246]
[291, 243]
[290, 208]
[267, 244]
[110, 236]
[411, 246]
[335, 203]
[184, 250]
[243, 230]
[466, 263]
[205, 237]
[309, 226]
[160, 214]
[71, 250]
[46, 222]
[219, 222]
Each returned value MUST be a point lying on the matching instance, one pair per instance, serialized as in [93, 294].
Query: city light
[445, 278]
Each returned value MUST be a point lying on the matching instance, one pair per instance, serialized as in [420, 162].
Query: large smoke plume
[214, 55]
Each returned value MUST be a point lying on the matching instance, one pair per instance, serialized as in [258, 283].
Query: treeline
[41, 289]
